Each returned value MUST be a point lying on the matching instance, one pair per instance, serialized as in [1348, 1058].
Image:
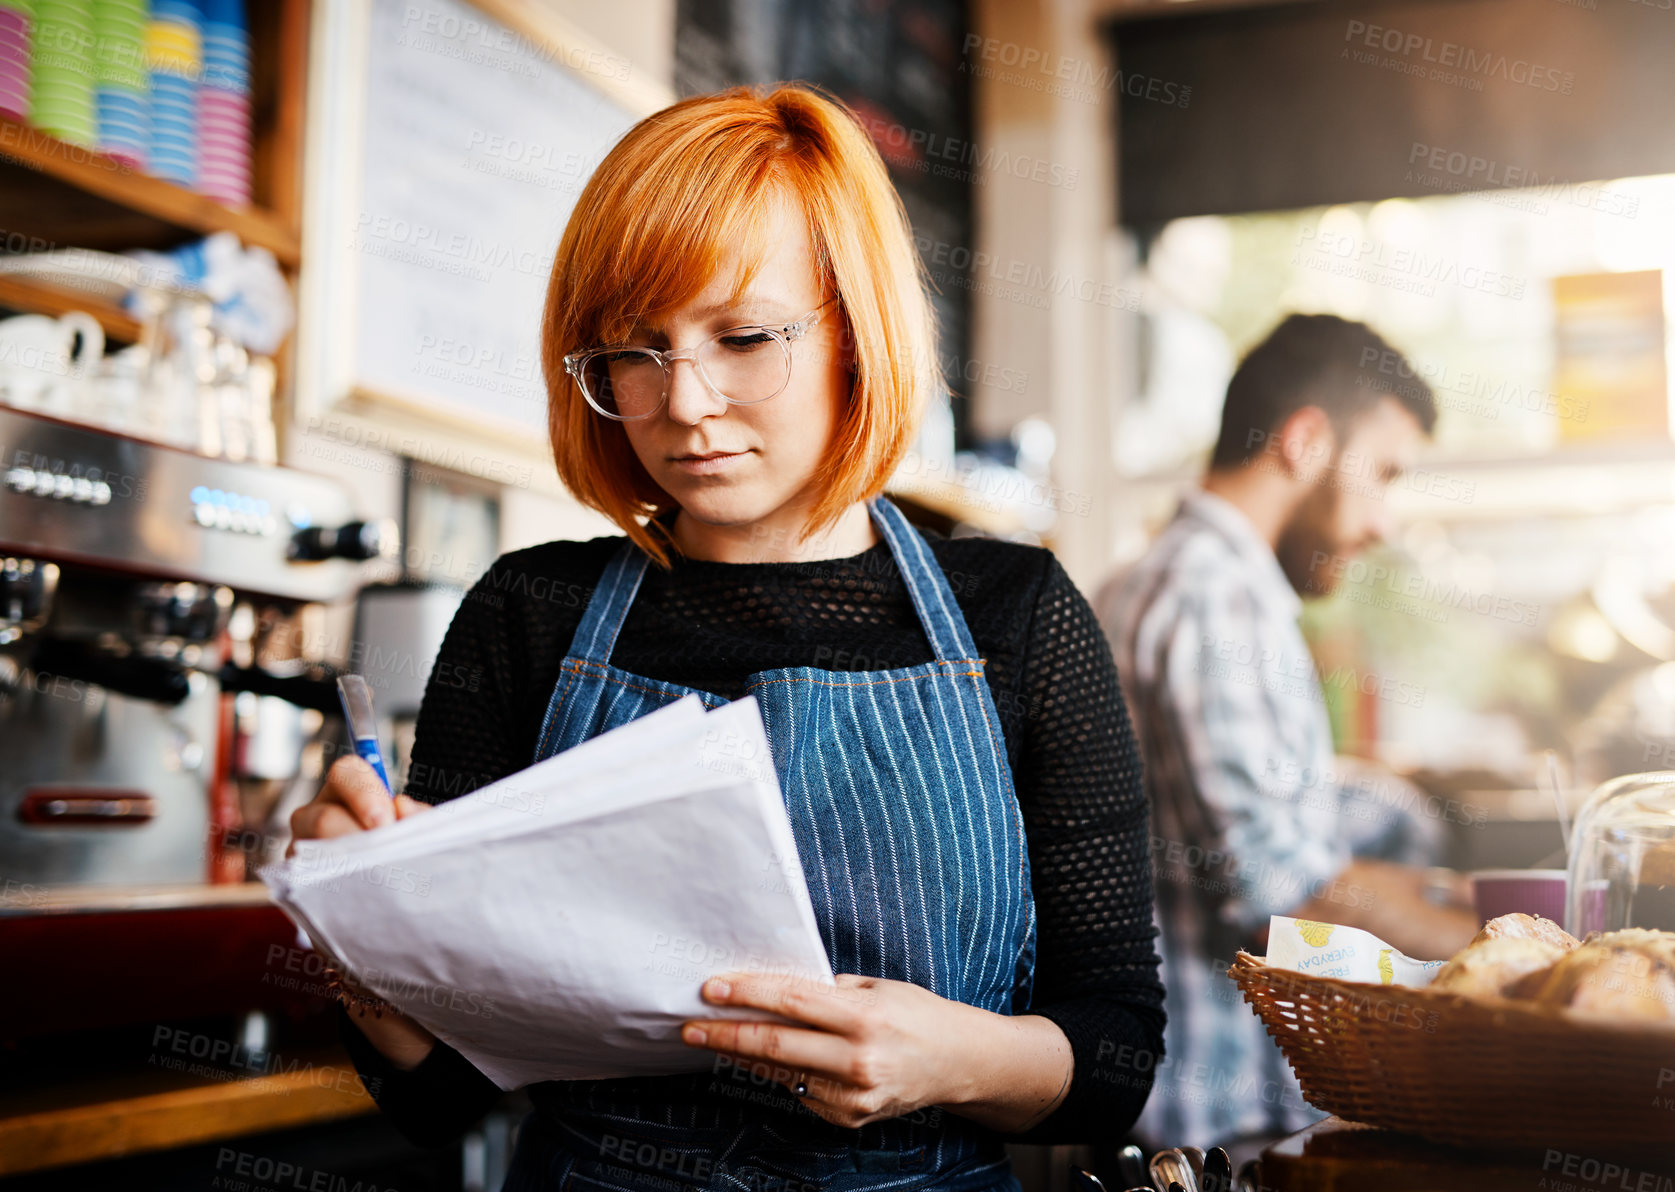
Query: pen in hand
[363, 724]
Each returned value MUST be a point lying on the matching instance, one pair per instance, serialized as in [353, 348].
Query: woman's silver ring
[802, 1086]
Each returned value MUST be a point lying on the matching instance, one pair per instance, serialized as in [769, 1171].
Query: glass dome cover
[1622, 857]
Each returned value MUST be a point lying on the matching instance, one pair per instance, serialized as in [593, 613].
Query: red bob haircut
[683, 188]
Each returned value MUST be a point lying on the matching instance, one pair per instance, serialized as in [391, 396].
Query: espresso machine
[122, 565]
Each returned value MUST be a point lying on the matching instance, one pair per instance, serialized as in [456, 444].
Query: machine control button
[356, 540]
[217, 509]
[58, 486]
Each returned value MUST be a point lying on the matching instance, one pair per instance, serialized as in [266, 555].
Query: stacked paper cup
[123, 81]
[224, 104]
[61, 97]
[14, 58]
[174, 56]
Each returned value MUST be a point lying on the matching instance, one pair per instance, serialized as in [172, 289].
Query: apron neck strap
[933, 599]
[607, 608]
[940, 616]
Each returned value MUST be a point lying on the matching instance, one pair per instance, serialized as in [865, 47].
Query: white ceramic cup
[45, 361]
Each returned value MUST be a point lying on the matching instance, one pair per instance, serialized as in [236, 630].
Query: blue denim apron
[912, 844]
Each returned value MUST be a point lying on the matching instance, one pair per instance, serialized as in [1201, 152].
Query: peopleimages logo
[1415, 585]
[1448, 56]
[267, 1173]
[1059, 74]
[1457, 172]
[1602, 1174]
[932, 152]
[1480, 394]
[1399, 267]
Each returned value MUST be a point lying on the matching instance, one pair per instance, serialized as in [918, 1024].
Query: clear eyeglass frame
[783, 334]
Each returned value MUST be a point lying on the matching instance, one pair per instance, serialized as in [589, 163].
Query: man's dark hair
[1345, 368]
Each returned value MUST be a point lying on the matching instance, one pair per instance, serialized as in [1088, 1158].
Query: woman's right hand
[354, 800]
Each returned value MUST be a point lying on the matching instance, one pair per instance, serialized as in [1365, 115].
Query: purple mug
[1498, 892]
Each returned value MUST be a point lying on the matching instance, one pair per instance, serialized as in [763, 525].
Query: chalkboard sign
[900, 67]
[449, 148]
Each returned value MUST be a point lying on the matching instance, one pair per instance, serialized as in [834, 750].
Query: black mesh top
[710, 625]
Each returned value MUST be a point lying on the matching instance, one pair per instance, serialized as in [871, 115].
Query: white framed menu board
[447, 142]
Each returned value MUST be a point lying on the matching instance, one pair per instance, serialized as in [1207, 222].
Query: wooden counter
[154, 1110]
[1339, 1156]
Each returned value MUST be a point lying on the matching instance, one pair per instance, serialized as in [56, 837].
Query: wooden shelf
[71, 197]
[157, 1111]
[94, 900]
[34, 297]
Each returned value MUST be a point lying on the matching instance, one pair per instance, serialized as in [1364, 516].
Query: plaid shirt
[1247, 815]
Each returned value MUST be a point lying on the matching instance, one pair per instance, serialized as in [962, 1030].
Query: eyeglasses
[744, 365]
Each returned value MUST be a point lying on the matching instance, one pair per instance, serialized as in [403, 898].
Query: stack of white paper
[559, 923]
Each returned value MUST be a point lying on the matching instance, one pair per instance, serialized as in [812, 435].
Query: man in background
[1252, 815]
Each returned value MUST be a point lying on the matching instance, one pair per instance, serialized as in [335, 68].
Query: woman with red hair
[738, 350]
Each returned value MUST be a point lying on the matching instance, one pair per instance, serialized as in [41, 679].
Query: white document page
[569, 939]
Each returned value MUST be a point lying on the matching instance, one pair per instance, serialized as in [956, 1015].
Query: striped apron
[912, 845]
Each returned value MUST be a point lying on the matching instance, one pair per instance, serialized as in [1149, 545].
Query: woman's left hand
[868, 1048]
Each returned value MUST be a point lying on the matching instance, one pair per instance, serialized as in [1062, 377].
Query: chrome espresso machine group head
[121, 561]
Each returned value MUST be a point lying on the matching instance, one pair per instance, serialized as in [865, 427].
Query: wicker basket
[1467, 1071]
